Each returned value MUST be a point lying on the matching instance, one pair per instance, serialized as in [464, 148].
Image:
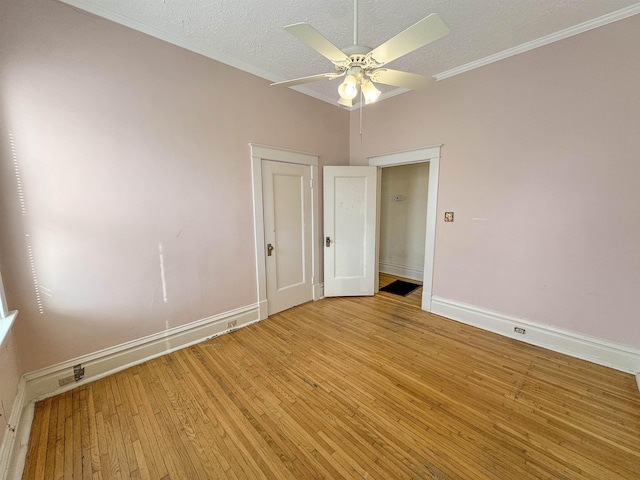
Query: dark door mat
[400, 287]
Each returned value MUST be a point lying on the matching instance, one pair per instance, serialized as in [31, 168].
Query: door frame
[432, 156]
[275, 154]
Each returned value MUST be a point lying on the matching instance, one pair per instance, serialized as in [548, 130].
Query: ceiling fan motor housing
[361, 59]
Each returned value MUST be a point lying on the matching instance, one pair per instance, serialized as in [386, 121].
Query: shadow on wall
[104, 257]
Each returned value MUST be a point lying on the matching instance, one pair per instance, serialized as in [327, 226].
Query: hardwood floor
[414, 298]
[362, 387]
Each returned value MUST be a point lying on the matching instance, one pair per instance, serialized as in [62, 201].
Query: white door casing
[286, 191]
[258, 154]
[431, 155]
[350, 229]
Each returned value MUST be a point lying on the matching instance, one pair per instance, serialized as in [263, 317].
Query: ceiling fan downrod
[355, 22]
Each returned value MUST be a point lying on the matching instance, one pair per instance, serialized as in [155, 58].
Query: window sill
[5, 325]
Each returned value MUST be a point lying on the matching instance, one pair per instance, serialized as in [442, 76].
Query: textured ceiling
[248, 34]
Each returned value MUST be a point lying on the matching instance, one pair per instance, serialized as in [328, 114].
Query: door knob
[269, 249]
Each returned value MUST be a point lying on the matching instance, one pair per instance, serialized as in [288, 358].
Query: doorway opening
[259, 153]
[429, 156]
[403, 219]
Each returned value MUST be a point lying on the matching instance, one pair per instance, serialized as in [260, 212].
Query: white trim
[602, 352]
[430, 240]
[15, 441]
[542, 41]
[259, 153]
[638, 381]
[283, 155]
[219, 56]
[316, 232]
[432, 155]
[43, 383]
[378, 227]
[258, 235]
[318, 291]
[263, 309]
[412, 273]
[406, 157]
[4, 309]
[5, 325]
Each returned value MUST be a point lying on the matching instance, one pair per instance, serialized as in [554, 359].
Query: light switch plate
[448, 216]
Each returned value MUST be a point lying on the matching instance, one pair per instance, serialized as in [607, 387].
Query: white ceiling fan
[361, 65]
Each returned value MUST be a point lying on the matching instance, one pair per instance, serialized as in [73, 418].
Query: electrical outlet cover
[65, 381]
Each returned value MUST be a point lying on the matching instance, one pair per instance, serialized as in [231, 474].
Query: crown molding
[108, 14]
[542, 41]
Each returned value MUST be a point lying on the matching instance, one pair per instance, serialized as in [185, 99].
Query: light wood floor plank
[360, 387]
[36, 468]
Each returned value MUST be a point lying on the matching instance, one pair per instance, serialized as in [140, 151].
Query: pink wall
[541, 165]
[124, 142]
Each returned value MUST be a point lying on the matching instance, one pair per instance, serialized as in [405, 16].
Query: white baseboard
[16, 438]
[263, 309]
[602, 352]
[411, 273]
[43, 383]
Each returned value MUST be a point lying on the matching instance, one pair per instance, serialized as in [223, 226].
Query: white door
[350, 214]
[286, 190]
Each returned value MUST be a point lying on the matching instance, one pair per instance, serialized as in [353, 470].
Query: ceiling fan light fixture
[370, 92]
[349, 88]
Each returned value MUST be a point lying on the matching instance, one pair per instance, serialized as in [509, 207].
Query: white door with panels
[287, 212]
[350, 216]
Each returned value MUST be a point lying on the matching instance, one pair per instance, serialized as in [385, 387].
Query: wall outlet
[519, 330]
[232, 324]
[66, 380]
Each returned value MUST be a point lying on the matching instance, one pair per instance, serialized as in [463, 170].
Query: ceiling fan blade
[427, 30]
[309, 35]
[397, 78]
[300, 81]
